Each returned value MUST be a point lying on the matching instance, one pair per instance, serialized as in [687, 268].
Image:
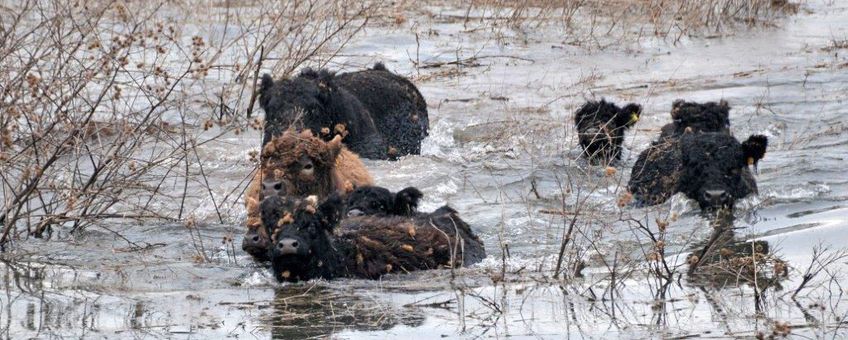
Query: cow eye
[307, 169]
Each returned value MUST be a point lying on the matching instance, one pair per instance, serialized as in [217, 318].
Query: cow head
[715, 168]
[371, 200]
[303, 237]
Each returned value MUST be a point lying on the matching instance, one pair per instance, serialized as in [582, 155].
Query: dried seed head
[400, 19]
[661, 225]
[257, 124]
[625, 199]
[652, 257]
[610, 171]
[693, 260]
[208, 124]
[191, 223]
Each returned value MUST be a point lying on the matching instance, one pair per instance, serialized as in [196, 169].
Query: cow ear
[725, 112]
[675, 108]
[631, 113]
[271, 211]
[754, 149]
[265, 84]
[330, 211]
[335, 147]
[406, 200]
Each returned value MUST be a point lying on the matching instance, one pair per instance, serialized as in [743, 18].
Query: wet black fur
[384, 114]
[601, 126]
[694, 163]
[370, 246]
[698, 117]
[373, 200]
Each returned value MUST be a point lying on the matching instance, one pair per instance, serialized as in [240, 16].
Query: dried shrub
[106, 103]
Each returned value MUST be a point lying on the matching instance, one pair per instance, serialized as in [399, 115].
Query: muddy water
[498, 131]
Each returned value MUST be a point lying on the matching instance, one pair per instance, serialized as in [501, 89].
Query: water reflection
[724, 260]
[311, 311]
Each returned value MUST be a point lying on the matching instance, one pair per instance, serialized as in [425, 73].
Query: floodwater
[503, 152]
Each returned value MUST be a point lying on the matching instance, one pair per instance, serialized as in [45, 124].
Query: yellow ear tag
[634, 118]
[750, 160]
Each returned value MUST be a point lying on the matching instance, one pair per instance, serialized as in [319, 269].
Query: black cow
[697, 117]
[601, 126]
[711, 168]
[315, 242]
[381, 114]
[373, 200]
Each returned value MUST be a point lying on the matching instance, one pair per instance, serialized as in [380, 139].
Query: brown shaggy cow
[299, 164]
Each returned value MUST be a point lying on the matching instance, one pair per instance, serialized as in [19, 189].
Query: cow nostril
[717, 197]
[255, 238]
[278, 186]
[287, 246]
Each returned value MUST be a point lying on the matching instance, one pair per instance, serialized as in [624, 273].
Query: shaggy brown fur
[305, 165]
[383, 245]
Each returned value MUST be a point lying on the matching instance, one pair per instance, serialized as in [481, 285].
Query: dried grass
[604, 23]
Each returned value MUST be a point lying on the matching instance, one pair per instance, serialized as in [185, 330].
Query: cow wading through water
[381, 115]
[314, 241]
[601, 126]
[373, 200]
[298, 164]
[696, 155]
